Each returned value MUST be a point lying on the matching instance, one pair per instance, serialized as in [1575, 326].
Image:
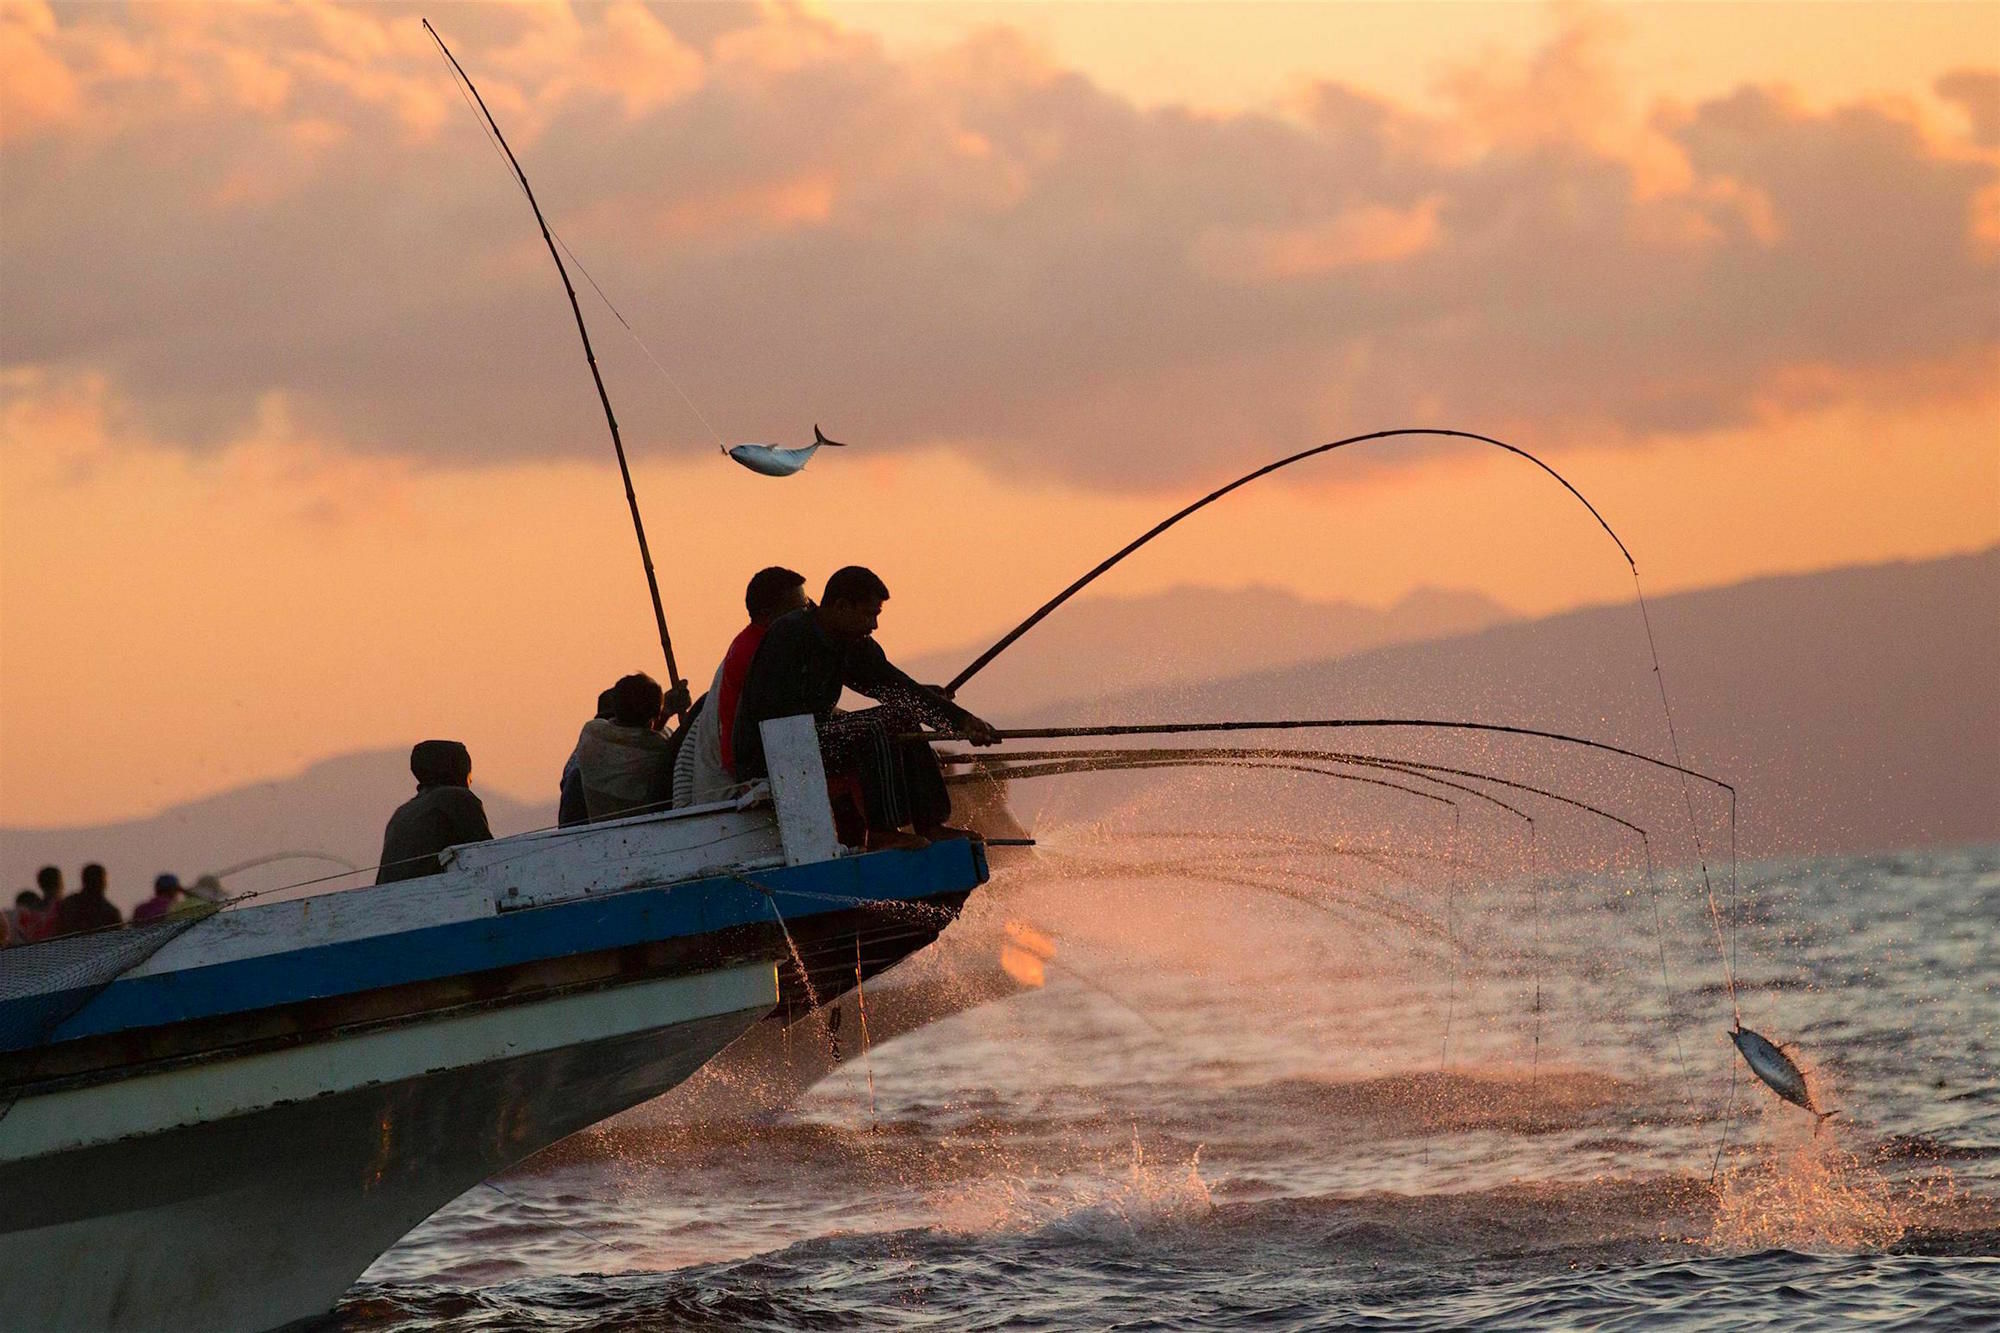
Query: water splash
[1815, 1195]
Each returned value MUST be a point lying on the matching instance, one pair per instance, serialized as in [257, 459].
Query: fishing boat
[217, 1123]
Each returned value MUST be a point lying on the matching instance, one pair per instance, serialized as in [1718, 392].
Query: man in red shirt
[707, 764]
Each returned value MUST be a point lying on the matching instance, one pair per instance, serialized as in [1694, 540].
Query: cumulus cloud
[217, 208]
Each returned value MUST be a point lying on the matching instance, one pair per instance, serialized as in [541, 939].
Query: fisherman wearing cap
[444, 813]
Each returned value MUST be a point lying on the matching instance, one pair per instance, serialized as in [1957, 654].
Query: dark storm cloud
[974, 248]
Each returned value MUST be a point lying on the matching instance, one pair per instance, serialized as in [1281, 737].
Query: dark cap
[441, 763]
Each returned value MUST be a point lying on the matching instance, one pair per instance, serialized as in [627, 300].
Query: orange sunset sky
[298, 453]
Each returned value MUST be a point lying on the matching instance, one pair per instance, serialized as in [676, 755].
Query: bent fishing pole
[978, 664]
[678, 689]
[1326, 724]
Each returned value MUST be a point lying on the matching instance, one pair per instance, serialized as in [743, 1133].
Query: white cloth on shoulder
[698, 773]
[624, 768]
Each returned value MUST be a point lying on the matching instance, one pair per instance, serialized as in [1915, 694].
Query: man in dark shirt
[806, 659]
[87, 908]
[443, 813]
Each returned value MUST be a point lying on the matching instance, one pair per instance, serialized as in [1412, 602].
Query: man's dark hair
[636, 700]
[440, 763]
[607, 702]
[855, 584]
[768, 588]
[93, 879]
[49, 877]
[27, 898]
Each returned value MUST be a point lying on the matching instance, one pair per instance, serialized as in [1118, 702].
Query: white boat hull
[246, 1194]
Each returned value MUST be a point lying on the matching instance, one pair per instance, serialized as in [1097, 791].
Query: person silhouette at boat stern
[806, 659]
[626, 764]
[444, 813]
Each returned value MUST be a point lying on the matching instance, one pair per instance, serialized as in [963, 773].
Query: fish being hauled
[772, 461]
[1770, 1063]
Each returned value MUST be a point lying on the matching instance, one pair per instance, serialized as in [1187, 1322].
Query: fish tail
[1820, 1123]
[820, 438]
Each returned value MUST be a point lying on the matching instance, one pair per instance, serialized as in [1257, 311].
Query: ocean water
[1281, 1084]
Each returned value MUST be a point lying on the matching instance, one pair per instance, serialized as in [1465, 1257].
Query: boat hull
[256, 1219]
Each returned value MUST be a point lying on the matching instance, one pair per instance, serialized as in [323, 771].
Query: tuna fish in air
[772, 461]
[1770, 1063]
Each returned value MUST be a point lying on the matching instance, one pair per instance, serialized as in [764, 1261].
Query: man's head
[852, 606]
[27, 898]
[93, 880]
[772, 593]
[166, 886]
[49, 880]
[636, 700]
[440, 764]
[607, 703]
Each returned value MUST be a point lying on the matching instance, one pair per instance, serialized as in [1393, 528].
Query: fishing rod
[1115, 765]
[1326, 724]
[1086, 761]
[978, 664]
[1411, 766]
[678, 691]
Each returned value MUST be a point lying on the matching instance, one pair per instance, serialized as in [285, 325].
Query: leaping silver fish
[772, 461]
[1768, 1061]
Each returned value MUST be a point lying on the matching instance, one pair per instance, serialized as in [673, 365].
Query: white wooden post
[798, 789]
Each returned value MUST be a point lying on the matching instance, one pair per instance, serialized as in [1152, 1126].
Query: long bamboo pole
[679, 693]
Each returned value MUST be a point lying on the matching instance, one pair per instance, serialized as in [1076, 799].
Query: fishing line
[1723, 953]
[459, 85]
[1535, 952]
[1451, 994]
[1728, 1126]
[634, 333]
[798, 959]
[861, 1003]
[1666, 985]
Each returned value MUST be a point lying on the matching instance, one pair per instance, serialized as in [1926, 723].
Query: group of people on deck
[48, 911]
[794, 657]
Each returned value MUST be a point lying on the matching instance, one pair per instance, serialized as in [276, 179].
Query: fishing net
[45, 984]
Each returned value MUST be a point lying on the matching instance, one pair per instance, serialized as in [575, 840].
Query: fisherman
[570, 808]
[166, 891]
[36, 921]
[87, 908]
[804, 661]
[444, 813]
[625, 763]
[706, 767]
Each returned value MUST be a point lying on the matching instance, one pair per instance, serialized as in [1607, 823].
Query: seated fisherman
[626, 764]
[443, 813]
[706, 768]
[86, 909]
[570, 809]
[805, 660]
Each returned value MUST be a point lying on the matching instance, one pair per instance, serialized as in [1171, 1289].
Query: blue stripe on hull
[588, 925]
